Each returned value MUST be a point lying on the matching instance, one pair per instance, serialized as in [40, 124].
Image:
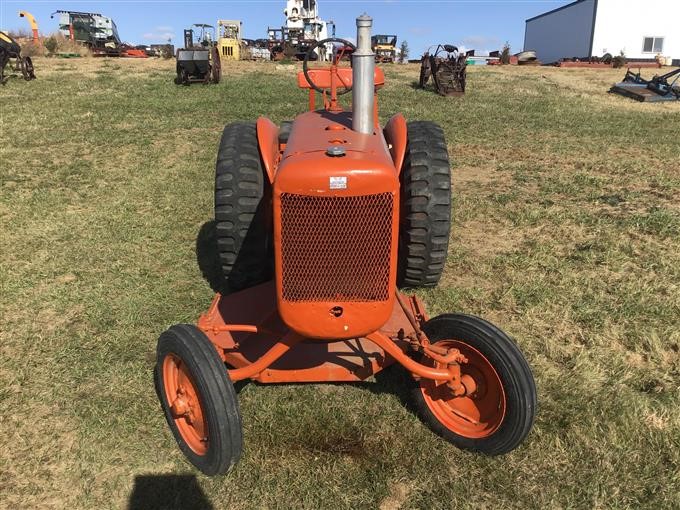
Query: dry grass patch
[566, 233]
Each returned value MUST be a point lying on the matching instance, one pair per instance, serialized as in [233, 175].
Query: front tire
[425, 216]
[499, 414]
[198, 399]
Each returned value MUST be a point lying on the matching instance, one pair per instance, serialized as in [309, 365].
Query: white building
[587, 28]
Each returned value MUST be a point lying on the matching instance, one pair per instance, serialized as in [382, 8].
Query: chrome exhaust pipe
[363, 69]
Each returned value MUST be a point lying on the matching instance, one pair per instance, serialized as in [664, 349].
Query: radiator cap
[335, 151]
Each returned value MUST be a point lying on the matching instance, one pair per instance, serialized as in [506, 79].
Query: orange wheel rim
[474, 416]
[185, 406]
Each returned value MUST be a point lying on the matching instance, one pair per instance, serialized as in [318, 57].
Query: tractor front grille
[336, 248]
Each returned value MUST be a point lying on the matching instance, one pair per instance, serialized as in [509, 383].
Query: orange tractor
[318, 226]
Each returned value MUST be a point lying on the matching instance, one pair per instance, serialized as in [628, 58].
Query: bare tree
[505, 53]
[403, 52]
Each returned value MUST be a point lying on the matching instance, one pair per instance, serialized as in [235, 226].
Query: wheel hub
[472, 404]
[184, 404]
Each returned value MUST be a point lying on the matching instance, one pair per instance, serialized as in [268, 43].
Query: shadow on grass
[207, 255]
[251, 266]
[393, 380]
[167, 491]
[428, 88]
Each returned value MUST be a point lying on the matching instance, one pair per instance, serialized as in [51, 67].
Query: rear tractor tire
[27, 70]
[216, 66]
[425, 217]
[497, 416]
[243, 213]
[179, 78]
[198, 399]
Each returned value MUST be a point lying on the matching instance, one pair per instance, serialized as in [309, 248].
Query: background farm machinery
[302, 30]
[659, 88]
[448, 69]
[10, 54]
[34, 25]
[229, 42]
[98, 33]
[384, 47]
[198, 61]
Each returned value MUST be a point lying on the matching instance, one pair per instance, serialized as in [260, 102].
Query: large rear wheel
[425, 71]
[216, 65]
[425, 216]
[198, 399]
[178, 75]
[496, 416]
[27, 70]
[243, 210]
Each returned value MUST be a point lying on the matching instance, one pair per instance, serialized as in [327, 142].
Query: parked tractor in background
[10, 54]
[448, 69]
[229, 41]
[199, 61]
[385, 48]
[318, 225]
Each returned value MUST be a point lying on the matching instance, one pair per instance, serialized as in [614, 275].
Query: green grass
[566, 234]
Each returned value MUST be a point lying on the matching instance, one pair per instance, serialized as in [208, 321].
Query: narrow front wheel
[198, 399]
[497, 411]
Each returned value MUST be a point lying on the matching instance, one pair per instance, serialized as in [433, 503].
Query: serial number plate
[338, 182]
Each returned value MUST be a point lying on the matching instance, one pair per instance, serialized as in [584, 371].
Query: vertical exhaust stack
[363, 87]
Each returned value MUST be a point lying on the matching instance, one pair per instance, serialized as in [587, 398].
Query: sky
[471, 24]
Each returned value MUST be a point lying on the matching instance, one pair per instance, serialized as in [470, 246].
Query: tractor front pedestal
[471, 384]
[249, 336]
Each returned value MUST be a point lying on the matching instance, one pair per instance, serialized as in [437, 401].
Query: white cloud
[158, 36]
[161, 33]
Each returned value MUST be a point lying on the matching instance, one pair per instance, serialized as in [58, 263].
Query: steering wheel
[310, 52]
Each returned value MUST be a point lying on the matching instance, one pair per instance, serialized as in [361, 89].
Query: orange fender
[268, 141]
[396, 135]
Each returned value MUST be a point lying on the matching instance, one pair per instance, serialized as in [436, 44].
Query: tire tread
[242, 210]
[425, 221]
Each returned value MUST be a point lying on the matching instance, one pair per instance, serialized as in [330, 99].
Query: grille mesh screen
[336, 248]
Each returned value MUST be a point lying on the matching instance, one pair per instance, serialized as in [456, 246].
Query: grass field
[566, 234]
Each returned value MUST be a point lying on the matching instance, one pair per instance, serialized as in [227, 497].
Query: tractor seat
[322, 77]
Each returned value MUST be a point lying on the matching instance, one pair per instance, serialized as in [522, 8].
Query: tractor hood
[317, 130]
[324, 156]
